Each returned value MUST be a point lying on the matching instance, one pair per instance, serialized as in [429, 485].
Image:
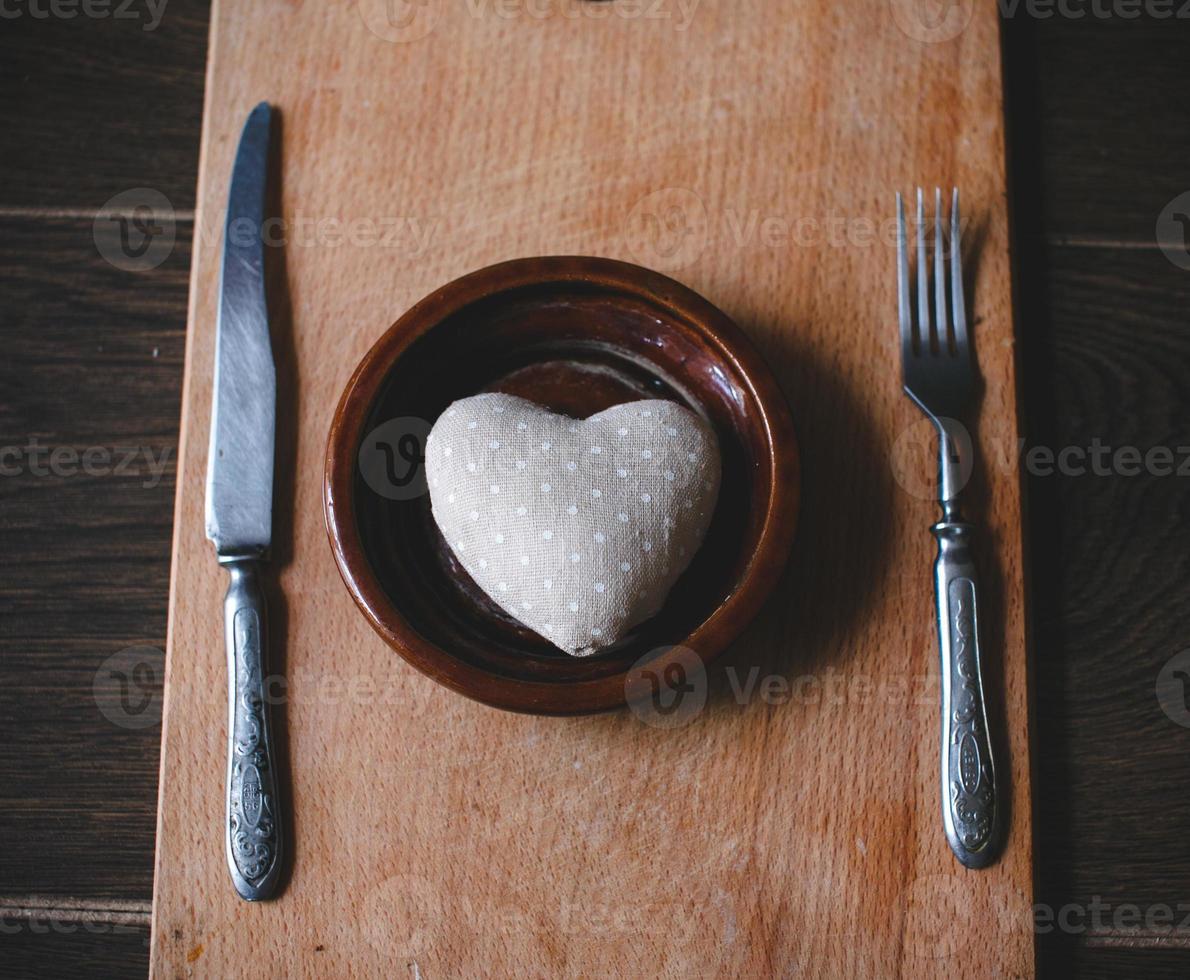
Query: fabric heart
[577, 528]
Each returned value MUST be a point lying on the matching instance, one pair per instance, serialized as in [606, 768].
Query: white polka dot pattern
[578, 529]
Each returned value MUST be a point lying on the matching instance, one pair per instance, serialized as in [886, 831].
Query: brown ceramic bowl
[578, 335]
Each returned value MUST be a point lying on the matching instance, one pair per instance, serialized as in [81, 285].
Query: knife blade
[239, 514]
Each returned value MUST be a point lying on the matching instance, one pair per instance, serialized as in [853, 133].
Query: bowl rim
[722, 625]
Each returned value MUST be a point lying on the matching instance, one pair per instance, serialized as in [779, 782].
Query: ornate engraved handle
[970, 796]
[253, 814]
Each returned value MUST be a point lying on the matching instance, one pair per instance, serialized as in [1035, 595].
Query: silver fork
[938, 371]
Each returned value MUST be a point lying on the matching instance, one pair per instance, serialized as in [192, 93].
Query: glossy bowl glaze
[578, 335]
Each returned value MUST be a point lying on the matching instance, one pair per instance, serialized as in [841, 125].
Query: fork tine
[942, 324]
[957, 301]
[925, 329]
[908, 337]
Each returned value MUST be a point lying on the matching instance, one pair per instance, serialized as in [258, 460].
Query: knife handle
[970, 796]
[253, 814]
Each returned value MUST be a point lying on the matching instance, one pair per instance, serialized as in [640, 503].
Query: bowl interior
[577, 347]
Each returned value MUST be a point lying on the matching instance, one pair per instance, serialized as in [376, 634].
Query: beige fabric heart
[577, 528]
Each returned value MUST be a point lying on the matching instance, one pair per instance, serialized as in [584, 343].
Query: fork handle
[970, 796]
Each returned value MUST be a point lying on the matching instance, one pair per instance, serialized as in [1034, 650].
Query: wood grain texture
[61, 948]
[85, 537]
[1098, 963]
[758, 839]
[96, 105]
[1102, 349]
[1108, 561]
[1115, 138]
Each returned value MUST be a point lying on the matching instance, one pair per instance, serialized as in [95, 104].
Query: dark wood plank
[1102, 341]
[1115, 133]
[93, 359]
[95, 106]
[46, 947]
[1100, 963]
[1109, 562]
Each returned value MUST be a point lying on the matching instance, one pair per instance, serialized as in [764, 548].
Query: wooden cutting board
[752, 150]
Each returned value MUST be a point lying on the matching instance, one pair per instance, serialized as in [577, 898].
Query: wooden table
[93, 361]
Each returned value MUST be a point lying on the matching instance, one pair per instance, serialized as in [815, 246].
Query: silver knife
[239, 515]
